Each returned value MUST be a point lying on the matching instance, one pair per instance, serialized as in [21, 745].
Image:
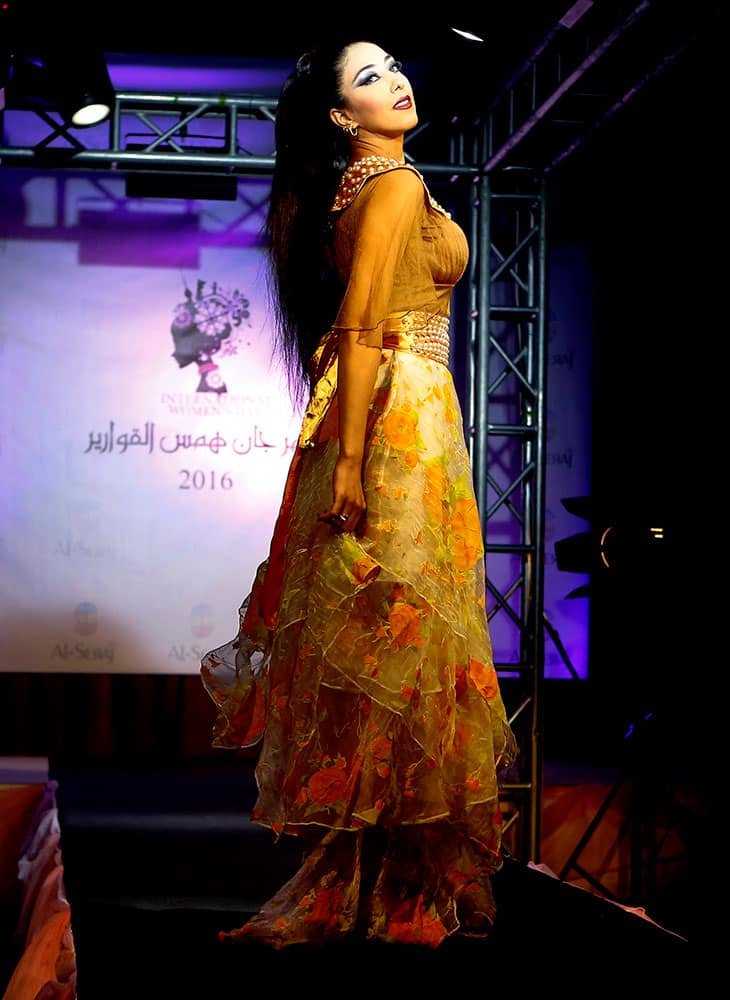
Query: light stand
[627, 557]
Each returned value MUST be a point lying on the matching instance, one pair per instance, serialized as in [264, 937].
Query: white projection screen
[139, 496]
[146, 432]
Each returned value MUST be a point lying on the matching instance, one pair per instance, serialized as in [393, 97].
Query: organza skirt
[373, 697]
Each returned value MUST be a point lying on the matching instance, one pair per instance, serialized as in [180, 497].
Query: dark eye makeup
[394, 66]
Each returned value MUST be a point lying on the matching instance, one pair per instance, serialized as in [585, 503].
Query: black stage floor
[158, 859]
[549, 934]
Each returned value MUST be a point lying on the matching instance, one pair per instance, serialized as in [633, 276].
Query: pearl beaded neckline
[357, 172]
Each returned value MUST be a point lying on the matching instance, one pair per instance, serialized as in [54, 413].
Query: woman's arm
[393, 201]
[357, 368]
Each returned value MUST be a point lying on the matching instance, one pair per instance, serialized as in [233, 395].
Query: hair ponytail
[311, 156]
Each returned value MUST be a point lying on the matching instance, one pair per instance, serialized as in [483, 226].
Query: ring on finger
[342, 517]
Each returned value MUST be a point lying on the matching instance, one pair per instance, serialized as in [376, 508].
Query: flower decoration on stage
[203, 326]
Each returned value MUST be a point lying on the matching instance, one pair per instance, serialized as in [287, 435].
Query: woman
[363, 663]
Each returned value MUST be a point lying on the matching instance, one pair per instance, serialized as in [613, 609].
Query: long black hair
[311, 156]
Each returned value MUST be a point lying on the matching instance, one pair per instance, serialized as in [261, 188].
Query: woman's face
[376, 95]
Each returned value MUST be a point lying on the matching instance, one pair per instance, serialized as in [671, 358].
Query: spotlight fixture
[74, 83]
[84, 91]
[618, 546]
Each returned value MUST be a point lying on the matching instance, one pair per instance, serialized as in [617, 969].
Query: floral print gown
[362, 669]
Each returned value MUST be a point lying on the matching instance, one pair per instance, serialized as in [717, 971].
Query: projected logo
[86, 619]
[201, 620]
[205, 325]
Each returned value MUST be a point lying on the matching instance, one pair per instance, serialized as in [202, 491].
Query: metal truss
[506, 416]
[594, 61]
[156, 132]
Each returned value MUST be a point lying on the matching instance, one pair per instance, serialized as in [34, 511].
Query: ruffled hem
[413, 886]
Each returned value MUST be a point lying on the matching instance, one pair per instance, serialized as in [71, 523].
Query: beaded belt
[419, 332]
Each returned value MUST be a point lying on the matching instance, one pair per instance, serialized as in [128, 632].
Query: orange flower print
[386, 526]
[467, 534]
[458, 880]
[380, 748]
[347, 637]
[462, 736]
[399, 428]
[484, 679]
[411, 459]
[411, 923]
[364, 569]
[326, 908]
[405, 625]
[433, 492]
[278, 930]
[328, 785]
[247, 722]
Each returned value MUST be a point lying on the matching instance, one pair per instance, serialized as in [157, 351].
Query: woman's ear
[340, 118]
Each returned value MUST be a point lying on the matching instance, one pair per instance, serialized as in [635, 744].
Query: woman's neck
[377, 145]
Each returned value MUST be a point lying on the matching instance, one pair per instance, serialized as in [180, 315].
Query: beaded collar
[359, 171]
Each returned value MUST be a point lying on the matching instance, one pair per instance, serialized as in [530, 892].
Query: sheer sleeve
[390, 215]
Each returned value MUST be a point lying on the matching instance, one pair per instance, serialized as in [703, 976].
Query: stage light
[84, 90]
[469, 35]
[620, 545]
[74, 82]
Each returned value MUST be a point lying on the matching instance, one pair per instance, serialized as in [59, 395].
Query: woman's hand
[357, 366]
[348, 496]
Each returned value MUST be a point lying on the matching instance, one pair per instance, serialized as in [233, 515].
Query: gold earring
[351, 129]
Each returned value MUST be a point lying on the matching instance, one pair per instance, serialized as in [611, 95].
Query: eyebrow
[370, 66]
